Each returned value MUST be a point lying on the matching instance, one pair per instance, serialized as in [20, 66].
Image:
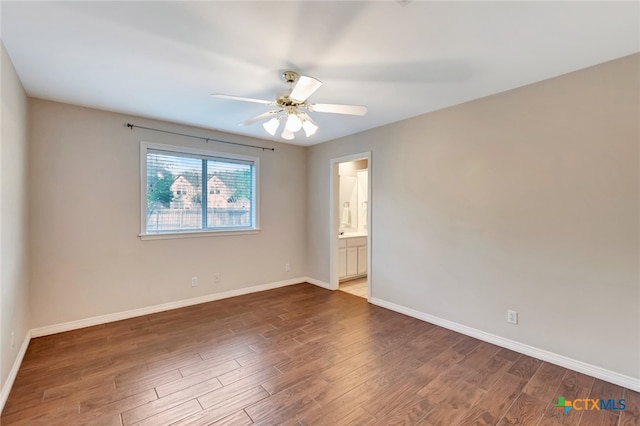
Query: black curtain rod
[131, 126]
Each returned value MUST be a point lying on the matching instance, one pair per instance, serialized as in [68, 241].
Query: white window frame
[145, 146]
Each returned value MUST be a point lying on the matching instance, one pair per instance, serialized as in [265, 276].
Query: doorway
[350, 224]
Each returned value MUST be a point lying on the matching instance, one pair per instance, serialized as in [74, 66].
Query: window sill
[198, 234]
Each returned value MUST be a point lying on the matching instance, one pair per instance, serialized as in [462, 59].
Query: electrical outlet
[194, 281]
[287, 267]
[216, 277]
[512, 317]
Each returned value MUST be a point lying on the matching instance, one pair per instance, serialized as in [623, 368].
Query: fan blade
[241, 98]
[339, 109]
[259, 117]
[305, 87]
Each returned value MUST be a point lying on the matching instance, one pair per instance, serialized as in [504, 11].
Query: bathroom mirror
[353, 202]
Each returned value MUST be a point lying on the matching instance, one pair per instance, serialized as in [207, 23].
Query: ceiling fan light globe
[309, 128]
[293, 123]
[272, 125]
[287, 135]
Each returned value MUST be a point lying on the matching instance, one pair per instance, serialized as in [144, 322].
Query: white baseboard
[8, 384]
[563, 361]
[118, 316]
[319, 283]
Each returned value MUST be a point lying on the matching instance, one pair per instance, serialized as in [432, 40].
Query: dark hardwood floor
[295, 355]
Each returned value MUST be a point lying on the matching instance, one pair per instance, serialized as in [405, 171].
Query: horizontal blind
[191, 192]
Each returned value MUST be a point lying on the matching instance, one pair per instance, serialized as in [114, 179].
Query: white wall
[87, 258]
[14, 283]
[526, 200]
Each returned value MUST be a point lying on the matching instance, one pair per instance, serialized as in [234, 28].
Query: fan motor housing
[290, 76]
[285, 101]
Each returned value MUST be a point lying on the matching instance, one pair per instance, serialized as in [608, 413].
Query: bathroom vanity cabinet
[352, 253]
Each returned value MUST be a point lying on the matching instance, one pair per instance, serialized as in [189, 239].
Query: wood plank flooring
[298, 355]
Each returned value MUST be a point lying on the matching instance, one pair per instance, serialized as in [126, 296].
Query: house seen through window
[189, 191]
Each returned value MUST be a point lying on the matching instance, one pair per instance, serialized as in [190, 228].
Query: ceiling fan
[292, 107]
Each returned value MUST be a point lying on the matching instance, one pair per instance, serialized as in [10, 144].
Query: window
[188, 192]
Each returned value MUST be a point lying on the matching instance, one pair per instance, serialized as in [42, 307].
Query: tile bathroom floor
[357, 287]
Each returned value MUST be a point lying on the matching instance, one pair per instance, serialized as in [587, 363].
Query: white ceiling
[163, 59]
